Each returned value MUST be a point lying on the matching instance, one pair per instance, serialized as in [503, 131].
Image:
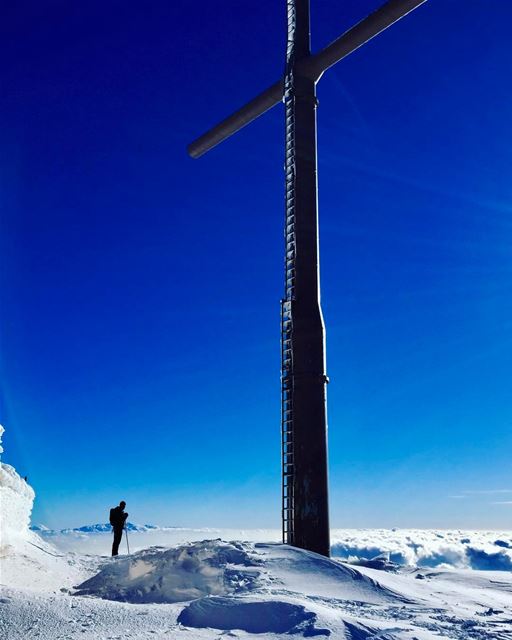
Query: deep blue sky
[140, 289]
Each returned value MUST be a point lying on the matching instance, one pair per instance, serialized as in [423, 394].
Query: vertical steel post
[305, 508]
[304, 423]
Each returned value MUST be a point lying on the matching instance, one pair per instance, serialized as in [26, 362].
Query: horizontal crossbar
[311, 67]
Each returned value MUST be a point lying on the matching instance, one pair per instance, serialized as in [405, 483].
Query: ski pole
[127, 543]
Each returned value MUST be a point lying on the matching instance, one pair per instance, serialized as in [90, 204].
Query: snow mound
[190, 571]
[217, 568]
[271, 616]
[316, 575]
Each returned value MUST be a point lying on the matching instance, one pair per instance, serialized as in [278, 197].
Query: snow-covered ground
[212, 584]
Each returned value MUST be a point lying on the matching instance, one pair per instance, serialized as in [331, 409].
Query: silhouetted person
[118, 520]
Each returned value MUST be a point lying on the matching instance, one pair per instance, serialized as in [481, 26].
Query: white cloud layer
[483, 550]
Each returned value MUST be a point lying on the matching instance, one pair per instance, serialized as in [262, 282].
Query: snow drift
[226, 585]
[215, 567]
[211, 567]
[275, 589]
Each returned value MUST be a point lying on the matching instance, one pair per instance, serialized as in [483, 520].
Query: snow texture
[237, 589]
[174, 575]
[16, 498]
[211, 589]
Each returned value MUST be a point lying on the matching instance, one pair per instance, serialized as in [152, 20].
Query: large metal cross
[305, 508]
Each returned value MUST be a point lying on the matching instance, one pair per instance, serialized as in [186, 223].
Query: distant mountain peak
[91, 528]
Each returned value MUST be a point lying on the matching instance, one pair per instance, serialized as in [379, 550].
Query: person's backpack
[112, 518]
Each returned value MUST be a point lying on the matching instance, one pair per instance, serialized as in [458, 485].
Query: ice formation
[16, 501]
[27, 561]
